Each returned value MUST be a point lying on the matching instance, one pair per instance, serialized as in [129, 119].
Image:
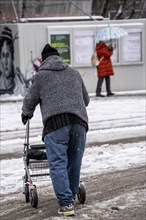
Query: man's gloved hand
[110, 47]
[25, 118]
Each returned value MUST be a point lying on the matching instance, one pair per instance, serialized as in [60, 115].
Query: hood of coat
[54, 63]
[100, 46]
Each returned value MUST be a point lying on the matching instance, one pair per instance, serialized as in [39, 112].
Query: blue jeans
[65, 148]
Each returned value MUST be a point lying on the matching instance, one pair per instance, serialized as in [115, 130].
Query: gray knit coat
[58, 89]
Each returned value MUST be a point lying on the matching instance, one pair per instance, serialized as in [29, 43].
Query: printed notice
[132, 47]
[115, 55]
[83, 49]
[62, 43]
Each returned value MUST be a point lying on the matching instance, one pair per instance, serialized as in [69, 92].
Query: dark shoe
[100, 95]
[67, 210]
[110, 94]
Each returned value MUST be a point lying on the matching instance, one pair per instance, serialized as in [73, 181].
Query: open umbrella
[110, 33]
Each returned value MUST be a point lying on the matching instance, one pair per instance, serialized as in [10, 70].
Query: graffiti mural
[12, 81]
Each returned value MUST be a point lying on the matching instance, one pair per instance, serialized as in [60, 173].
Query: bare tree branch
[120, 10]
[106, 7]
[132, 11]
[143, 9]
[23, 8]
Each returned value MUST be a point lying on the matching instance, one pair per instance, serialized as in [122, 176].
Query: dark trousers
[99, 85]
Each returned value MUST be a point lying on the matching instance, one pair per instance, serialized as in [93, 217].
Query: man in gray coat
[62, 95]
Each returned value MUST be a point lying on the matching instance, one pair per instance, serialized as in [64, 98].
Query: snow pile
[110, 118]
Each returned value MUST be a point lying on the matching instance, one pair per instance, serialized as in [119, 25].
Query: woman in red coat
[105, 68]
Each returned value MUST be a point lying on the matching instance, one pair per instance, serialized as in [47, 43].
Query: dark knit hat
[48, 51]
[7, 34]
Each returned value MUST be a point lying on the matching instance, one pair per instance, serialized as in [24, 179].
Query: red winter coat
[105, 67]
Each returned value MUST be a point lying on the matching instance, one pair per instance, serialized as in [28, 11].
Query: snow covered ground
[110, 119]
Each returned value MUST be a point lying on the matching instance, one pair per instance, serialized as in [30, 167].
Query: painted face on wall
[6, 59]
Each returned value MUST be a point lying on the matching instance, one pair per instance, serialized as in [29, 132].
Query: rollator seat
[37, 146]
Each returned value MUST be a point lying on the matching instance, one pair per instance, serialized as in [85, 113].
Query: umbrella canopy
[110, 33]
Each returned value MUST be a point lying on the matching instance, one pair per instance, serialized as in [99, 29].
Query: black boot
[110, 94]
[108, 86]
[98, 88]
[100, 95]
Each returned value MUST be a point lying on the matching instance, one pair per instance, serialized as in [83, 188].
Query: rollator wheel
[34, 197]
[82, 193]
[26, 193]
[26, 188]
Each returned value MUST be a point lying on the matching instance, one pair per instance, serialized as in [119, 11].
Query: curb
[19, 98]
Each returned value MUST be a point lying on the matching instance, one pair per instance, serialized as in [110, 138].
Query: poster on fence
[83, 47]
[132, 46]
[62, 43]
